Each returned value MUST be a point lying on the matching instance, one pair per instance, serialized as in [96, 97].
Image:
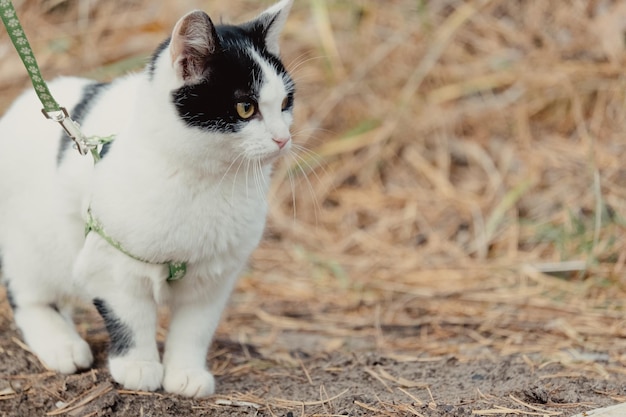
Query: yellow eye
[245, 109]
[286, 102]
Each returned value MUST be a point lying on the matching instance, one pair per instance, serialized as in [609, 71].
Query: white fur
[280, 10]
[166, 191]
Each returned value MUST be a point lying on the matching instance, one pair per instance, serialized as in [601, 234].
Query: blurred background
[453, 157]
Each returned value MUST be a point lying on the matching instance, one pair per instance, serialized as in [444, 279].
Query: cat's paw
[189, 382]
[136, 375]
[67, 357]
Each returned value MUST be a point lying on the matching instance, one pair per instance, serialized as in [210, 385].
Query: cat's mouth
[273, 155]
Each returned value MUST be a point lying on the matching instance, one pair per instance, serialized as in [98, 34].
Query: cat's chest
[216, 223]
[176, 218]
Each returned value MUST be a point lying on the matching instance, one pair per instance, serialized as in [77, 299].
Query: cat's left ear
[194, 39]
[270, 23]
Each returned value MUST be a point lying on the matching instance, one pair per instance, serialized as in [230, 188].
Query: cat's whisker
[262, 184]
[247, 177]
[299, 61]
[296, 158]
[317, 159]
[255, 176]
[303, 130]
[260, 178]
[234, 182]
[219, 184]
[263, 177]
[309, 134]
[293, 191]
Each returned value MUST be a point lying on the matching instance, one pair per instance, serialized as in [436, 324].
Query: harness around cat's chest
[176, 270]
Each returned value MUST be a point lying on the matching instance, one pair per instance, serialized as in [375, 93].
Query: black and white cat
[185, 180]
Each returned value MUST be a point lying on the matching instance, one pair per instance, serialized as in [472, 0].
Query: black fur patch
[231, 76]
[11, 298]
[120, 335]
[90, 92]
[9, 293]
[155, 56]
[105, 149]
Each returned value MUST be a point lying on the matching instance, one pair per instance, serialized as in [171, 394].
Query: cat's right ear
[194, 39]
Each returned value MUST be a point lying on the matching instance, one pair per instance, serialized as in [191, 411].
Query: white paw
[67, 357]
[136, 375]
[189, 382]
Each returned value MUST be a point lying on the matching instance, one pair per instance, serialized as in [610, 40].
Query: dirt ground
[351, 376]
[448, 239]
[491, 357]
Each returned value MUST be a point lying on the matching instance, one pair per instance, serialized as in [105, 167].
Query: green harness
[52, 110]
[176, 270]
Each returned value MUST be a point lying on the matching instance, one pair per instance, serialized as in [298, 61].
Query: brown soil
[291, 366]
[341, 383]
[452, 241]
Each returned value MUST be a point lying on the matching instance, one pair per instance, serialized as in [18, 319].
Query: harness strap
[176, 270]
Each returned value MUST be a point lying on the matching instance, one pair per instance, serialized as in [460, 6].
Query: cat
[184, 180]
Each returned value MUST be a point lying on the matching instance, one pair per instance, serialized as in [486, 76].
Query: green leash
[22, 46]
[52, 110]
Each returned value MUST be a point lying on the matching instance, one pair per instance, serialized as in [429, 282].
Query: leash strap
[22, 46]
[51, 109]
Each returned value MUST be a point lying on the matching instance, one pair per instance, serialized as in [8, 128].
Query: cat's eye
[286, 103]
[245, 109]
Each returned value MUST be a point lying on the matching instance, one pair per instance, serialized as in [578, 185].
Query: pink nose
[281, 142]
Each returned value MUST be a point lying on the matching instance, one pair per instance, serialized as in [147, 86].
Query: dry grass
[453, 153]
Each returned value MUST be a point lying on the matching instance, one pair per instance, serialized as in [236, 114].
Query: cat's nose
[282, 141]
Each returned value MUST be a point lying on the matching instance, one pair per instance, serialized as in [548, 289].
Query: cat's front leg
[190, 334]
[192, 326]
[133, 356]
[122, 293]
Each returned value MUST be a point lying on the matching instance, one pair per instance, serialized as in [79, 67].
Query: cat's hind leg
[51, 338]
[48, 331]
[38, 250]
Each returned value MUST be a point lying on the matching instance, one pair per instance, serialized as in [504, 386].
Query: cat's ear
[194, 39]
[270, 23]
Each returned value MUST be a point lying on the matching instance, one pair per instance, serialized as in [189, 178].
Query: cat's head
[230, 84]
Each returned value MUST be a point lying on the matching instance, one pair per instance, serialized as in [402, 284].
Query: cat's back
[24, 115]
[27, 139]
[33, 149]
